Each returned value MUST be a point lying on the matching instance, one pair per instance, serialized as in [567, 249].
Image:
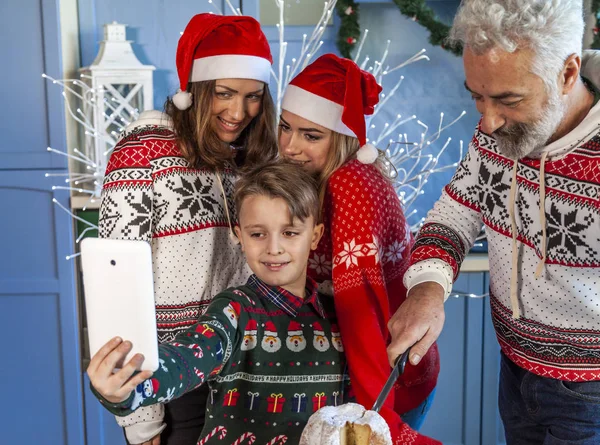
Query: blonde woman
[170, 182]
[366, 243]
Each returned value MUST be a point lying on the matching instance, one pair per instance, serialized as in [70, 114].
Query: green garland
[417, 10]
[349, 32]
[420, 12]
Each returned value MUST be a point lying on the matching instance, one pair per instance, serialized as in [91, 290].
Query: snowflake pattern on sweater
[151, 193]
[557, 334]
[365, 251]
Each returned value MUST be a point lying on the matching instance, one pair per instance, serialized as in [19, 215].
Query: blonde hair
[281, 179]
[343, 149]
[201, 146]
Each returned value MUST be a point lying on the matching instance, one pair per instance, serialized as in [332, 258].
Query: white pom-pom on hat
[367, 154]
[182, 100]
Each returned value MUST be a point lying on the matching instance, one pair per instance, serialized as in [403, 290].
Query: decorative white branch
[412, 158]
[118, 112]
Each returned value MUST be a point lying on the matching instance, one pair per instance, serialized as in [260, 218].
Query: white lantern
[119, 88]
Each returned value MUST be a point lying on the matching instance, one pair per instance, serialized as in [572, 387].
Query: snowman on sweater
[144, 390]
[320, 342]
[270, 341]
[295, 341]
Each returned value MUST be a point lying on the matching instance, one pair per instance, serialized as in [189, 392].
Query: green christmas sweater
[271, 360]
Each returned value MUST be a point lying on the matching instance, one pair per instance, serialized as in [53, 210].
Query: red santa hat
[336, 94]
[270, 330]
[318, 328]
[220, 47]
[335, 331]
[251, 327]
[236, 307]
[295, 329]
[155, 385]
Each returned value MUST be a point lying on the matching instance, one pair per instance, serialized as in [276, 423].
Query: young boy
[269, 350]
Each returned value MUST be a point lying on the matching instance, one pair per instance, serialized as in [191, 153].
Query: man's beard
[522, 139]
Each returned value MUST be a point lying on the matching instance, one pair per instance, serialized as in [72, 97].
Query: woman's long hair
[201, 146]
[343, 149]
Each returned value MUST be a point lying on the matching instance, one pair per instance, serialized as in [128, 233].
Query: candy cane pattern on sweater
[219, 429]
[248, 435]
[199, 373]
[198, 353]
[279, 440]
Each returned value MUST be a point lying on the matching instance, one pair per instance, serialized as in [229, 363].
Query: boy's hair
[285, 180]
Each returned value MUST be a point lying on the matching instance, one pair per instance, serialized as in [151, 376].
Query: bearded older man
[532, 177]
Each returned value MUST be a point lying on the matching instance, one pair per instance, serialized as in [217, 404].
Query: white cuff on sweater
[144, 431]
[433, 269]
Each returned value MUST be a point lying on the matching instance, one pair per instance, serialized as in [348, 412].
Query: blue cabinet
[492, 430]
[465, 411]
[32, 112]
[40, 374]
[455, 412]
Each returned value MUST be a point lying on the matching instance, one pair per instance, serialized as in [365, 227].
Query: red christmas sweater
[364, 252]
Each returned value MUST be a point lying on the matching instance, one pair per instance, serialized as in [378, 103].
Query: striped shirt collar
[286, 301]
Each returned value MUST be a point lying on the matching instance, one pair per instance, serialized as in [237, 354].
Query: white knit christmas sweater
[551, 326]
[151, 193]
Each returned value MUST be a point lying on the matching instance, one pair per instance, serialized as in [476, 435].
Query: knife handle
[401, 361]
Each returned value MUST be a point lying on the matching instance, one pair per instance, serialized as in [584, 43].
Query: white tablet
[119, 296]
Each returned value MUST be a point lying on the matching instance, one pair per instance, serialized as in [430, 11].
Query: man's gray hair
[552, 29]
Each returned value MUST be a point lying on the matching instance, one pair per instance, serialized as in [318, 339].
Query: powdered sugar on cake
[324, 426]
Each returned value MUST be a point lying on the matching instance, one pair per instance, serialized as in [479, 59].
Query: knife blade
[397, 370]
